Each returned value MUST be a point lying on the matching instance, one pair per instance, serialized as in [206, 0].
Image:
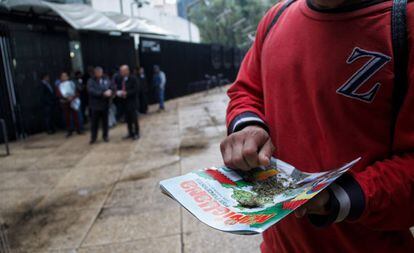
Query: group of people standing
[65, 92]
[102, 98]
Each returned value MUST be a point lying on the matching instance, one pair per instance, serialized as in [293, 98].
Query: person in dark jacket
[83, 95]
[118, 101]
[128, 93]
[49, 102]
[143, 91]
[100, 92]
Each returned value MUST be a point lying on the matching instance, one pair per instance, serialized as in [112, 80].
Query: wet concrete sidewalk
[63, 195]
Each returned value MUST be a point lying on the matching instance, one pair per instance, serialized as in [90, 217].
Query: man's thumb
[266, 153]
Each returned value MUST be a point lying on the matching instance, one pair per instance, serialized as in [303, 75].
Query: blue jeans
[161, 97]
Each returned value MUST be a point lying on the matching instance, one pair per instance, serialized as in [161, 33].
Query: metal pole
[187, 9]
[132, 8]
[121, 5]
[189, 29]
[5, 137]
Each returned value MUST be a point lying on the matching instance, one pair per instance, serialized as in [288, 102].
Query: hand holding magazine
[247, 203]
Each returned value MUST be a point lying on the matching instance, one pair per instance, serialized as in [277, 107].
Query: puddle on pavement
[136, 177]
[33, 228]
[170, 151]
[37, 146]
[194, 143]
[146, 174]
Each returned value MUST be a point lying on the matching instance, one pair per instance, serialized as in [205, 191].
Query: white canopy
[26, 5]
[84, 17]
[134, 25]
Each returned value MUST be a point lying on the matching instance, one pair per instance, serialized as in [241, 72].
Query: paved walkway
[63, 195]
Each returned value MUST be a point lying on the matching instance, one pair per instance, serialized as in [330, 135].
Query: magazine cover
[247, 202]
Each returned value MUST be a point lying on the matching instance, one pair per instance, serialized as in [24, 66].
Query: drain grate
[4, 242]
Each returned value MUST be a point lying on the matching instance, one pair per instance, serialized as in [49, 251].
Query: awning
[26, 5]
[135, 25]
[84, 17]
[79, 16]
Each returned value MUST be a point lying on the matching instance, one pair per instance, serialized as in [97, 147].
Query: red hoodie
[322, 84]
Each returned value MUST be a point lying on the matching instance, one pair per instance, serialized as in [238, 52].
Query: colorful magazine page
[247, 203]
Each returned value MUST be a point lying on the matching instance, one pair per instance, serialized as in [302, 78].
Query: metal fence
[189, 67]
[4, 241]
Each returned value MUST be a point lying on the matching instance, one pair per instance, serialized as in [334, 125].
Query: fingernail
[265, 159]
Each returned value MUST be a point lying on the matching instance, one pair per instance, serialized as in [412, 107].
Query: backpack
[400, 48]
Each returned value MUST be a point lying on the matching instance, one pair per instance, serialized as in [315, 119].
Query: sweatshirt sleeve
[246, 105]
[388, 185]
[382, 195]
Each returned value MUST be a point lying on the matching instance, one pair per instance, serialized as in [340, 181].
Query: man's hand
[108, 93]
[247, 149]
[317, 205]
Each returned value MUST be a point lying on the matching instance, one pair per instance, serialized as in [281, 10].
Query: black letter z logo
[350, 88]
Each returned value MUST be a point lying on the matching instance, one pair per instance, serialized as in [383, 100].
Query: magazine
[247, 202]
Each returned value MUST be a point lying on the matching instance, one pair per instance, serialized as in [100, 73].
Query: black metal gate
[107, 51]
[36, 50]
[186, 63]
[7, 93]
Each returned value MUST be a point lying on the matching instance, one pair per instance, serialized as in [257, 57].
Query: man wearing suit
[128, 93]
[100, 92]
[143, 91]
[118, 101]
[49, 101]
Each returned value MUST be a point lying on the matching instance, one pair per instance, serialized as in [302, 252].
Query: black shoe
[105, 139]
[136, 137]
[91, 142]
[129, 136]
[68, 134]
[79, 132]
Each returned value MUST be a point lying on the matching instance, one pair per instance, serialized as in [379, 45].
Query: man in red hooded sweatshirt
[317, 91]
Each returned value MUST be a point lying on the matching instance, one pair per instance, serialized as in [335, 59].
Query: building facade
[162, 13]
[166, 6]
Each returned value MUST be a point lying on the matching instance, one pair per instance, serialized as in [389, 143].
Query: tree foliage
[228, 22]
